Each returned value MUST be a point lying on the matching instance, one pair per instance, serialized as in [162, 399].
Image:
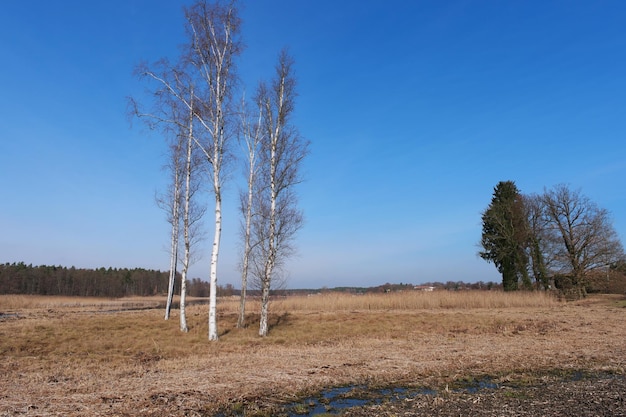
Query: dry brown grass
[10, 303]
[416, 300]
[71, 357]
[328, 302]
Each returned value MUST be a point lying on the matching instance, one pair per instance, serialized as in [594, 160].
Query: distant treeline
[388, 287]
[19, 278]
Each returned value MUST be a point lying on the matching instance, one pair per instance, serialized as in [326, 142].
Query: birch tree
[192, 211]
[281, 154]
[208, 64]
[213, 30]
[251, 137]
[171, 204]
[168, 115]
[174, 113]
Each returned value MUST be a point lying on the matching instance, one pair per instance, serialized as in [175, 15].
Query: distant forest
[19, 278]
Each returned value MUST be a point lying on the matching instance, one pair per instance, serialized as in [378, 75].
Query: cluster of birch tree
[558, 237]
[196, 105]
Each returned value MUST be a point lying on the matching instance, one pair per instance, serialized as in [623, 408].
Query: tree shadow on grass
[252, 319]
[277, 320]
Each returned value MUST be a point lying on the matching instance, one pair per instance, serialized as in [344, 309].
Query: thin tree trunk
[265, 302]
[246, 251]
[214, 256]
[175, 234]
[245, 264]
[283, 152]
[252, 144]
[215, 28]
[218, 153]
[183, 298]
[173, 263]
[271, 251]
[269, 267]
[186, 222]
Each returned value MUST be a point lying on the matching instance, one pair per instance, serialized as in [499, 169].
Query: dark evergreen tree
[505, 236]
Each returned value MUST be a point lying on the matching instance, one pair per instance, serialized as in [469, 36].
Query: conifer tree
[505, 235]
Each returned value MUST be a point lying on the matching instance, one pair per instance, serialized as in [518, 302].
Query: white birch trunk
[265, 308]
[252, 141]
[173, 263]
[186, 222]
[183, 298]
[246, 253]
[213, 276]
[269, 263]
[284, 152]
[214, 28]
[271, 250]
[216, 165]
[175, 233]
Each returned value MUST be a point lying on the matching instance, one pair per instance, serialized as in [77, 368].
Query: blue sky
[415, 110]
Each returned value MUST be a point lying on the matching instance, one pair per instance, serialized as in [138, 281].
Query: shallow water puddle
[335, 400]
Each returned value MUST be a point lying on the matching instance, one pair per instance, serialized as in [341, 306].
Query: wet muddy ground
[586, 397]
[574, 395]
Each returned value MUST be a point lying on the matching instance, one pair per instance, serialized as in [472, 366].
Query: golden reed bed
[323, 301]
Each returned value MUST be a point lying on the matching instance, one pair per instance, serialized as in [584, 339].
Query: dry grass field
[78, 357]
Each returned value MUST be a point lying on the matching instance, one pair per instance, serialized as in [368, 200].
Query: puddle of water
[479, 386]
[402, 393]
[335, 400]
[330, 400]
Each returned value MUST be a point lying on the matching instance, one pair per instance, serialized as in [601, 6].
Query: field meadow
[88, 356]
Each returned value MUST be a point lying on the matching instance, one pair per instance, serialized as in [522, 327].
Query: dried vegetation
[93, 357]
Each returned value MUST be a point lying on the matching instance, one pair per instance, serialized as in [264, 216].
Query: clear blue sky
[414, 109]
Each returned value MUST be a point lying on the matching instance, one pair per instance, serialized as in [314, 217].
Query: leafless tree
[168, 115]
[538, 240]
[175, 118]
[192, 211]
[277, 217]
[208, 64]
[213, 30]
[251, 135]
[583, 235]
[170, 202]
